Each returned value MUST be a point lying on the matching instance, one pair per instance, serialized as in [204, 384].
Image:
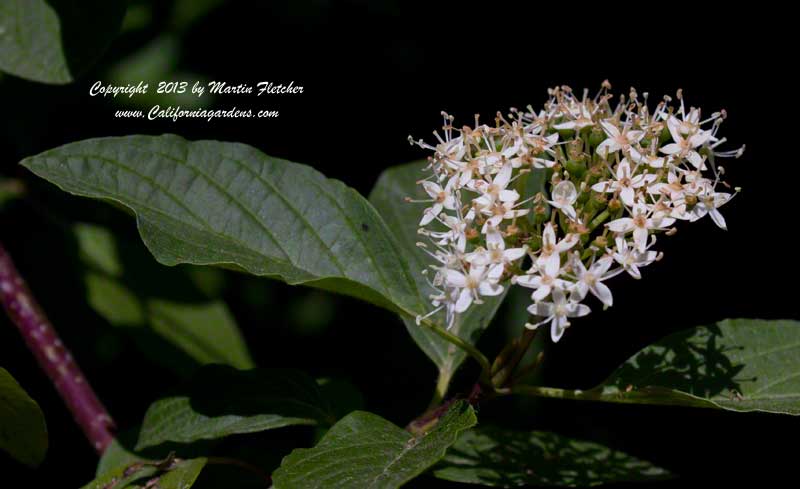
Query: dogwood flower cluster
[562, 199]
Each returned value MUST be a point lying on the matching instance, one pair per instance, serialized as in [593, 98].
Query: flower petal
[464, 300]
[431, 188]
[557, 328]
[621, 225]
[602, 292]
[455, 278]
[489, 289]
[540, 293]
[671, 149]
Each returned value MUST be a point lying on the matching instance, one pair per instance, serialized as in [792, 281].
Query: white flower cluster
[562, 199]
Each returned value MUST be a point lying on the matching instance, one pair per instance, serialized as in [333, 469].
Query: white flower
[472, 285]
[465, 171]
[708, 203]
[685, 147]
[631, 259]
[456, 235]
[652, 160]
[496, 258]
[672, 188]
[537, 144]
[491, 161]
[494, 189]
[617, 140]
[451, 152]
[551, 249]
[582, 117]
[443, 198]
[679, 192]
[625, 183]
[545, 281]
[499, 211]
[557, 313]
[688, 123]
[494, 237]
[641, 223]
[470, 188]
[591, 280]
[564, 195]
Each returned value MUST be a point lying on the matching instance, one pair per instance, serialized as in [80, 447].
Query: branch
[486, 367]
[53, 357]
[430, 417]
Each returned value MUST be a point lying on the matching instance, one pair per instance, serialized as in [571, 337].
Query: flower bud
[575, 149]
[576, 167]
[566, 134]
[597, 136]
[664, 136]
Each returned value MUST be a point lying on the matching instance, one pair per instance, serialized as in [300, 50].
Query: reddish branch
[53, 356]
[423, 423]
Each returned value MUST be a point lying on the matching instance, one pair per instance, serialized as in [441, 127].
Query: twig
[430, 417]
[486, 367]
[502, 377]
[53, 357]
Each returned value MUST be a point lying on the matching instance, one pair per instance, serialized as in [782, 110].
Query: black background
[373, 73]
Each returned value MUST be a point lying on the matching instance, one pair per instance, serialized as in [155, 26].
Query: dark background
[375, 72]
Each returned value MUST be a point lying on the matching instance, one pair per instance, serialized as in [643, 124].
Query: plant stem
[600, 219]
[486, 367]
[502, 377]
[442, 384]
[537, 391]
[53, 357]
[431, 416]
[526, 370]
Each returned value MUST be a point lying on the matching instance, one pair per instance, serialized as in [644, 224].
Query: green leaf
[23, 432]
[121, 452]
[365, 450]
[216, 203]
[207, 332]
[223, 401]
[170, 474]
[498, 457]
[127, 291]
[54, 41]
[117, 455]
[736, 365]
[393, 186]
[98, 248]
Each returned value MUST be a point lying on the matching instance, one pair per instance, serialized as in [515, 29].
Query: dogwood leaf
[228, 204]
[388, 196]
[736, 365]
[223, 401]
[23, 433]
[365, 450]
[54, 41]
[497, 457]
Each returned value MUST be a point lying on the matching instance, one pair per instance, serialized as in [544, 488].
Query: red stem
[53, 356]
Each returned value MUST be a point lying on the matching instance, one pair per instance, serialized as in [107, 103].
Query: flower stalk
[53, 357]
